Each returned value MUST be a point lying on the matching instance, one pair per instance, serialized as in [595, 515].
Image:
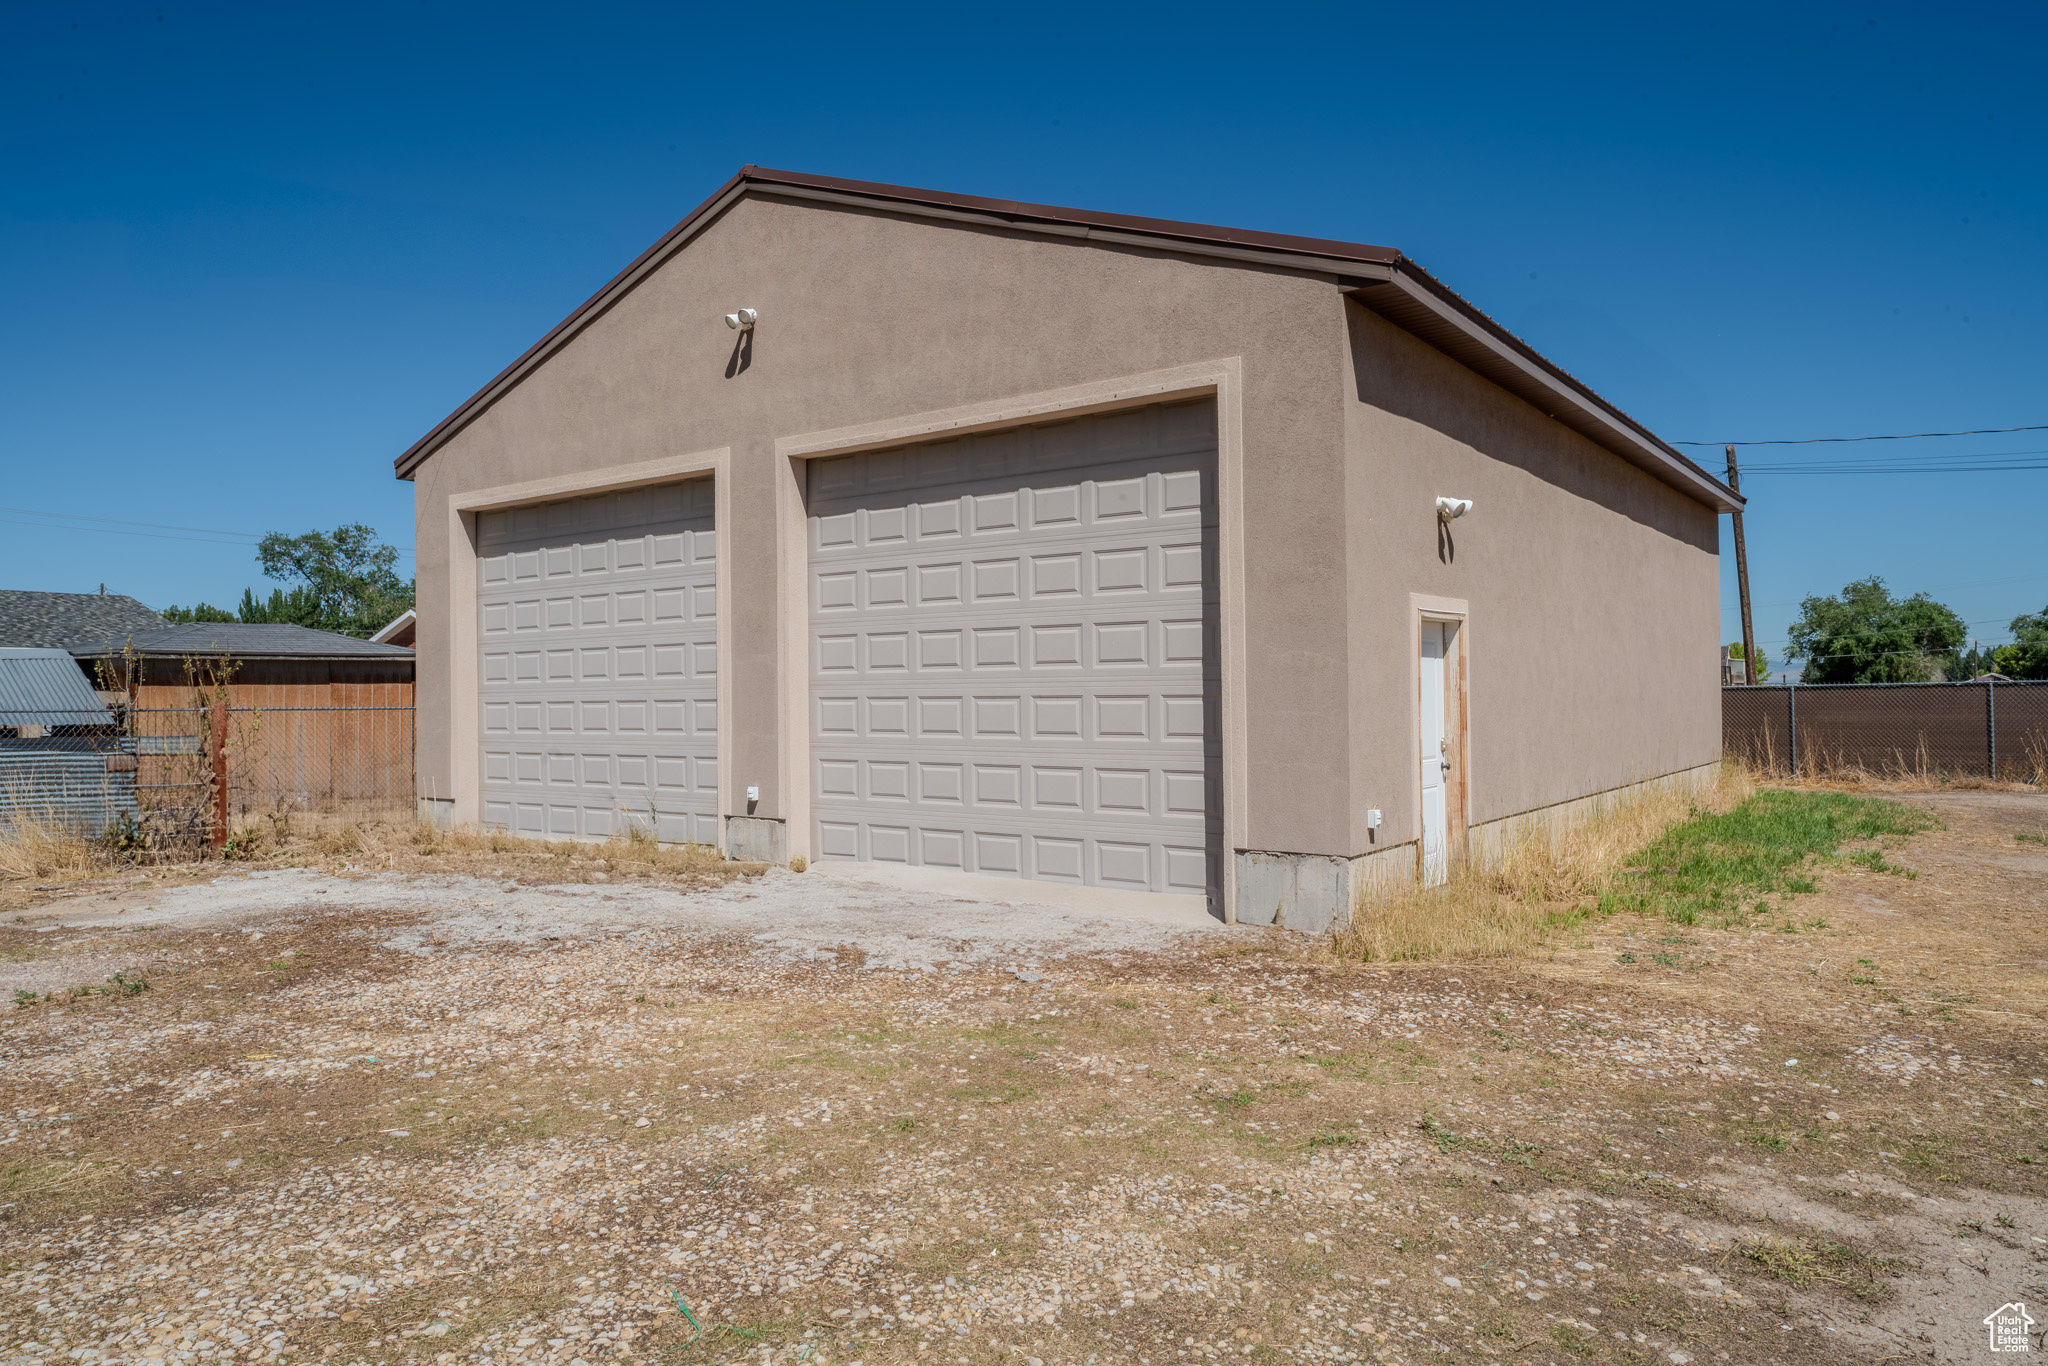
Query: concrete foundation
[1319, 893]
[1490, 842]
[756, 839]
[1314, 892]
[438, 812]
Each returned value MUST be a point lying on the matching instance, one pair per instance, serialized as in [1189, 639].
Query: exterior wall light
[742, 321]
[1451, 509]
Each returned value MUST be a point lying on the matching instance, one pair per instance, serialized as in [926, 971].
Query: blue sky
[248, 254]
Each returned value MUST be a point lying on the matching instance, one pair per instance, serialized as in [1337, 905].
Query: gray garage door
[599, 643]
[1013, 653]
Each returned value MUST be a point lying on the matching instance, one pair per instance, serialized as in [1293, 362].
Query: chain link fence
[1908, 732]
[72, 771]
[352, 762]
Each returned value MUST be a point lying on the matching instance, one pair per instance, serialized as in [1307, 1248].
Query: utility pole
[1742, 575]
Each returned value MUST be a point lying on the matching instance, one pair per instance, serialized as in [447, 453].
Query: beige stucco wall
[1592, 586]
[1592, 590]
[866, 317]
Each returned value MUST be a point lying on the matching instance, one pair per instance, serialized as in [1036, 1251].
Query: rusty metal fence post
[219, 746]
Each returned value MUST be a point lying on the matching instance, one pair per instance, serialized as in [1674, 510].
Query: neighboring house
[855, 522]
[63, 759]
[320, 721]
[399, 630]
[265, 666]
[79, 622]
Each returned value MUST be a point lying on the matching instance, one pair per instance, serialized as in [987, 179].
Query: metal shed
[63, 758]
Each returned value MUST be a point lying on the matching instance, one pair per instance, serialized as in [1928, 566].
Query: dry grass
[1158, 1136]
[1850, 778]
[44, 849]
[1917, 771]
[407, 845]
[40, 858]
[1543, 882]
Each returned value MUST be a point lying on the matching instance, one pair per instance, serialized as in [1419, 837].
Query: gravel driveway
[895, 918]
[359, 1118]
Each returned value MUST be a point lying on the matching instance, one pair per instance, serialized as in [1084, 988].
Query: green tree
[203, 611]
[345, 580]
[2027, 656]
[1763, 660]
[348, 574]
[297, 608]
[1865, 635]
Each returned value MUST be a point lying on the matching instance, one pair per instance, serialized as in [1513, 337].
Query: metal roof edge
[1461, 330]
[1467, 335]
[1335, 257]
[1167, 230]
[382, 635]
[558, 335]
[400, 655]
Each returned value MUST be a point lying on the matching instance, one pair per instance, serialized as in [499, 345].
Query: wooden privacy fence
[355, 761]
[1934, 731]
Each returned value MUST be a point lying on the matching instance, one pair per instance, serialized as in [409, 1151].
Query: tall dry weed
[42, 848]
[405, 842]
[2032, 767]
[1539, 883]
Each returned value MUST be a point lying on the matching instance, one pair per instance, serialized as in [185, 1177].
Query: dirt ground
[362, 1115]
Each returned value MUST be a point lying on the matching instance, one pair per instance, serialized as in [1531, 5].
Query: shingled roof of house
[242, 640]
[72, 621]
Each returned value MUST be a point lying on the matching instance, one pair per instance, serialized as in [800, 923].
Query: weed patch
[1824, 1261]
[1705, 869]
[1719, 856]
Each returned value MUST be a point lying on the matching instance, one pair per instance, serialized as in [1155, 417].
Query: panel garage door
[1013, 653]
[598, 635]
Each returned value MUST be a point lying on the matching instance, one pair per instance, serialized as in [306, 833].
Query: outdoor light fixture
[1451, 509]
[742, 321]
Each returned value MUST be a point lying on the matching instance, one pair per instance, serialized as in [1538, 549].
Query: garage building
[1130, 557]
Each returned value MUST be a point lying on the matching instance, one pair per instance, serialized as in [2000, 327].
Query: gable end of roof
[1380, 278]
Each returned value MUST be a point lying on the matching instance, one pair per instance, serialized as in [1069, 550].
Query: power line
[1826, 440]
[1938, 457]
[1928, 461]
[1958, 462]
[1940, 587]
[116, 521]
[117, 531]
[1900, 469]
[153, 535]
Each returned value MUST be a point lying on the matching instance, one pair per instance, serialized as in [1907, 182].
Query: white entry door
[1435, 755]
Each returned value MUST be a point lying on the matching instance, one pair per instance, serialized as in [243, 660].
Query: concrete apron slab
[1159, 908]
[985, 921]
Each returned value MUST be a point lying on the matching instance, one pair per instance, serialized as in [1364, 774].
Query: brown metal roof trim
[1169, 230]
[1381, 278]
[1417, 302]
